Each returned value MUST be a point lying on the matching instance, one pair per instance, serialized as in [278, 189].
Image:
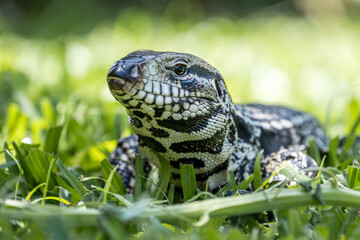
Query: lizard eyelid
[180, 69]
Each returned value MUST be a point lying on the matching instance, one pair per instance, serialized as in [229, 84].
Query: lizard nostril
[117, 70]
[128, 70]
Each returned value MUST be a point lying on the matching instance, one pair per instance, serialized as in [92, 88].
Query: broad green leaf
[116, 181]
[75, 197]
[164, 180]
[188, 181]
[257, 171]
[52, 139]
[24, 165]
[71, 178]
[27, 147]
[39, 166]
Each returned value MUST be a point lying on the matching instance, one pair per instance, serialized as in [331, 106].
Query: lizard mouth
[135, 91]
[151, 92]
[159, 103]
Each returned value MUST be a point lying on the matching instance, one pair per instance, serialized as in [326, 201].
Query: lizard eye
[180, 69]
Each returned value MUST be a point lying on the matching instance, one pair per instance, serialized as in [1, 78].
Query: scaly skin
[179, 106]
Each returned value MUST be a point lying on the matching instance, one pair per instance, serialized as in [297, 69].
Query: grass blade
[139, 173]
[4, 176]
[244, 184]
[28, 197]
[188, 181]
[171, 193]
[51, 198]
[71, 178]
[116, 181]
[48, 180]
[75, 197]
[117, 196]
[313, 150]
[233, 182]
[10, 160]
[164, 178]
[224, 190]
[39, 166]
[52, 139]
[332, 159]
[108, 183]
[257, 171]
[356, 124]
[24, 165]
[15, 123]
[353, 176]
[290, 172]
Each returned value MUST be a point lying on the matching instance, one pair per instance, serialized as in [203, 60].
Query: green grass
[58, 124]
[41, 198]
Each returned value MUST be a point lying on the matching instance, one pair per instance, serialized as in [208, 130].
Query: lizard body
[179, 106]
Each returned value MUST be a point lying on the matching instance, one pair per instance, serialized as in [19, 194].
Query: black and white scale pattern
[179, 106]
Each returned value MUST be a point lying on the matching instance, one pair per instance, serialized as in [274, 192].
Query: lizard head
[178, 106]
[151, 80]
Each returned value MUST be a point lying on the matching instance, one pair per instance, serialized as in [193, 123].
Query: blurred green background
[54, 57]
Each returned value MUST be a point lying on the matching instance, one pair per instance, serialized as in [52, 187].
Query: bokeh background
[54, 57]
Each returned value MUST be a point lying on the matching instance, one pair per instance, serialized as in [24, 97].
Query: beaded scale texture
[179, 106]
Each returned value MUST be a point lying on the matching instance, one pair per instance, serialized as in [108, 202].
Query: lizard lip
[123, 89]
[115, 83]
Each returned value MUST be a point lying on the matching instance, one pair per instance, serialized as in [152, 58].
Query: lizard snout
[128, 71]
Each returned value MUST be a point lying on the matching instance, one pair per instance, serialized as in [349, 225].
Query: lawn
[59, 123]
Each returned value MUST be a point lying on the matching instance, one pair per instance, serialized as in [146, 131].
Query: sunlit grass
[311, 65]
[59, 123]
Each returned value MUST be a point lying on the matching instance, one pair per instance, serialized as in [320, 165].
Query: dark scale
[191, 125]
[184, 112]
[151, 143]
[211, 145]
[156, 132]
[197, 163]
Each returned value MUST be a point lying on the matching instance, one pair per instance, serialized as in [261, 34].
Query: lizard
[179, 106]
